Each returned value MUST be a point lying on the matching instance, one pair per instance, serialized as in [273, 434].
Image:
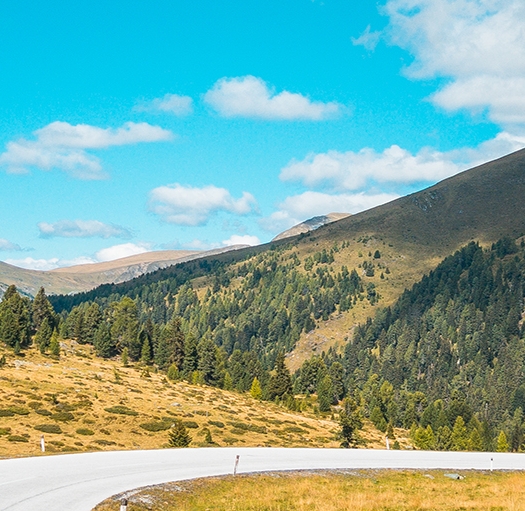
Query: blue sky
[134, 126]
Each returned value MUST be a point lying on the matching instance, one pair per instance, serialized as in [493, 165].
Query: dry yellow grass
[34, 388]
[335, 491]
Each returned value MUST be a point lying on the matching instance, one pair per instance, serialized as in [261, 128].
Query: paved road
[77, 482]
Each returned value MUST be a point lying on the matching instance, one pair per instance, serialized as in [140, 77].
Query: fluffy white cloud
[249, 96]
[35, 264]
[298, 208]
[63, 146]
[479, 44]
[82, 229]
[245, 239]
[352, 171]
[122, 250]
[186, 205]
[172, 103]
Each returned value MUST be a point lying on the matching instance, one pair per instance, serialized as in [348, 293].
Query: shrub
[62, 416]
[17, 438]
[120, 409]
[6, 413]
[191, 424]
[18, 410]
[85, 431]
[49, 428]
[5, 431]
[248, 427]
[41, 411]
[219, 424]
[101, 441]
[156, 426]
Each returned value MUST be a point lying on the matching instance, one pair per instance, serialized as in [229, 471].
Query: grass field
[335, 491]
[84, 403]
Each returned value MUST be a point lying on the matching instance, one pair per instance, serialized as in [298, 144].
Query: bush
[17, 438]
[120, 409]
[62, 416]
[5, 431]
[85, 431]
[47, 413]
[248, 427]
[6, 413]
[156, 426]
[18, 410]
[49, 428]
[191, 424]
[101, 441]
[218, 424]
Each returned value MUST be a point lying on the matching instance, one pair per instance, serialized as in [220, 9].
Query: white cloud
[63, 146]
[186, 205]
[352, 171]
[479, 44]
[249, 96]
[122, 250]
[298, 208]
[82, 229]
[172, 103]
[35, 264]
[367, 39]
[245, 239]
[8, 246]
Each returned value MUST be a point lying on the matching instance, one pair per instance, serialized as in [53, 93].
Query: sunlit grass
[356, 491]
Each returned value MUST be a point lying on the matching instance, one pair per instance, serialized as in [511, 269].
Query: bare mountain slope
[310, 225]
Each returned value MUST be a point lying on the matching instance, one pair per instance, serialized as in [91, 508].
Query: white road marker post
[42, 443]
[491, 464]
[387, 442]
[236, 465]
[123, 504]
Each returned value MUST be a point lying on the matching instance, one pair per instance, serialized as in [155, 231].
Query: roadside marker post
[236, 465]
[491, 464]
[42, 444]
[123, 504]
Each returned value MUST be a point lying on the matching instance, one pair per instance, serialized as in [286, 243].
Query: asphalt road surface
[77, 482]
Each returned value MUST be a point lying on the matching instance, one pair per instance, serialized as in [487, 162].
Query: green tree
[424, 438]
[15, 319]
[178, 435]
[325, 393]
[460, 437]
[350, 423]
[42, 309]
[103, 342]
[502, 444]
[43, 335]
[125, 327]
[475, 443]
[280, 382]
[255, 390]
[54, 345]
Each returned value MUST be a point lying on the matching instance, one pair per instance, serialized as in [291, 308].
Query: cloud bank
[170, 103]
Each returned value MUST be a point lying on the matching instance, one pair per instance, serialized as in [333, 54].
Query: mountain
[75, 279]
[310, 225]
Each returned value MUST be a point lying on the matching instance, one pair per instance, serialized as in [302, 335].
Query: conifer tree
[178, 435]
[103, 342]
[280, 382]
[42, 309]
[350, 422]
[255, 390]
[54, 345]
[460, 438]
[502, 444]
[43, 335]
[325, 393]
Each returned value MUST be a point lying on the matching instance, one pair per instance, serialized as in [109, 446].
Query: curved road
[77, 482]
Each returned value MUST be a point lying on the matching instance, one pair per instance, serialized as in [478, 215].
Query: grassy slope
[334, 491]
[85, 386]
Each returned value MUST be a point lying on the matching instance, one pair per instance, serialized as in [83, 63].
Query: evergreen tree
[350, 422]
[475, 443]
[280, 382]
[125, 357]
[208, 361]
[227, 381]
[178, 435]
[125, 327]
[42, 309]
[15, 320]
[255, 390]
[460, 437]
[43, 335]
[502, 444]
[102, 341]
[191, 356]
[325, 394]
[54, 345]
[145, 352]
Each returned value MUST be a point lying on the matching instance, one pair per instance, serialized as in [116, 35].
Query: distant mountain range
[75, 279]
[311, 225]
